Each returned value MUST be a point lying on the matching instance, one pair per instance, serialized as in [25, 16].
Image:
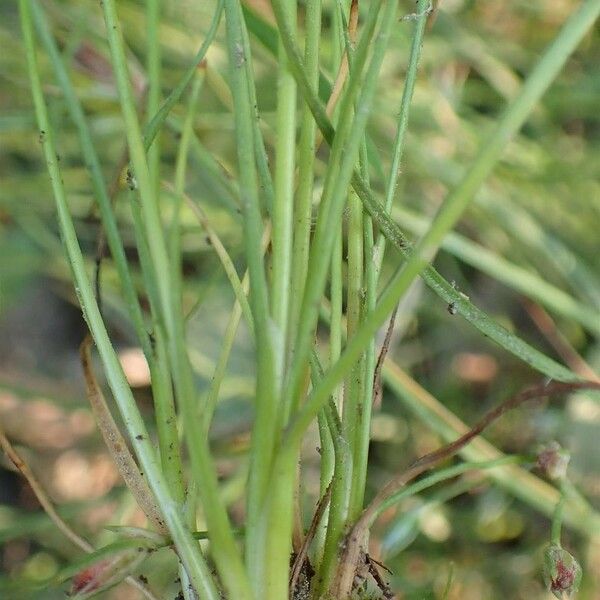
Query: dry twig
[116, 444]
[310, 534]
[356, 539]
[377, 387]
[42, 497]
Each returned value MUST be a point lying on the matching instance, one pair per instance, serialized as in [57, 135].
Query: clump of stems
[317, 227]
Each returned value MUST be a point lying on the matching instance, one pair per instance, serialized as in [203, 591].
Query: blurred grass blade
[514, 276]
[443, 475]
[521, 484]
[153, 126]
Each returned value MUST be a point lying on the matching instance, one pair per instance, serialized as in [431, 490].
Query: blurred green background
[539, 213]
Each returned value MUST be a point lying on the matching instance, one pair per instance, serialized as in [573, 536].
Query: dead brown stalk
[21, 465]
[355, 542]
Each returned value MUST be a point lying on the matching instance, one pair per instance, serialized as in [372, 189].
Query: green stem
[267, 193]
[264, 431]
[186, 546]
[338, 509]
[339, 505]
[557, 517]
[227, 263]
[212, 396]
[97, 179]
[180, 176]
[442, 475]
[306, 163]
[351, 150]
[327, 540]
[336, 324]
[223, 544]
[343, 157]
[276, 531]
[240, 289]
[160, 374]
[166, 417]
[354, 384]
[341, 484]
[153, 126]
[407, 95]
[363, 427]
[283, 205]
[153, 68]
[336, 37]
[344, 154]
[147, 192]
[563, 45]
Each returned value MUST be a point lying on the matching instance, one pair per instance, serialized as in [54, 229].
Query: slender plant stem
[223, 544]
[336, 37]
[407, 95]
[267, 193]
[185, 544]
[442, 475]
[557, 517]
[283, 204]
[97, 179]
[326, 452]
[279, 536]
[354, 383]
[212, 395]
[350, 154]
[343, 157]
[336, 511]
[147, 192]
[160, 374]
[153, 69]
[166, 417]
[563, 45]
[357, 400]
[227, 262]
[240, 289]
[306, 163]
[153, 126]
[264, 431]
[342, 469]
[363, 427]
[179, 186]
[336, 325]
[341, 483]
